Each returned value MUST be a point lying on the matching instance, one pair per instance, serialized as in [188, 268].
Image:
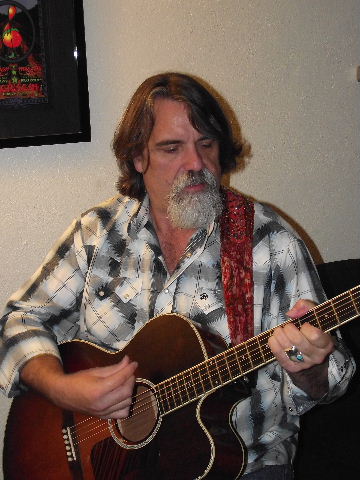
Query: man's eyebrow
[164, 143]
[205, 137]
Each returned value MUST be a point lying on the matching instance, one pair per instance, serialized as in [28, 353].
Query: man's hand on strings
[104, 392]
[303, 352]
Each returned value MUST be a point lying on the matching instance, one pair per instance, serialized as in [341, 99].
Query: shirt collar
[140, 218]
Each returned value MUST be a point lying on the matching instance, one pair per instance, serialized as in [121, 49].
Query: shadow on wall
[314, 251]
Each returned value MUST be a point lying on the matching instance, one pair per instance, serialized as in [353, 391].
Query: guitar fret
[160, 399]
[335, 312]
[215, 379]
[178, 389]
[248, 354]
[261, 352]
[171, 400]
[183, 387]
[326, 318]
[166, 396]
[223, 367]
[188, 384]
[354, 303]
[265, 349]
[230, 377]
[349, 308]
[206, 378]
[317, 319]
[244, 358]
[238, 361]
[256, 357]
[198, 384]
[192, 385]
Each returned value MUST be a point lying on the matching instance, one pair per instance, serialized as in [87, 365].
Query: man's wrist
[41, 373]
[313, 381]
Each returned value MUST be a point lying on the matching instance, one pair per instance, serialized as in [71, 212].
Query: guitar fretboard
[240, 360]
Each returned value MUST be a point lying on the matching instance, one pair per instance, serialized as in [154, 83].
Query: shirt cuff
[10, 382]
[298, 402]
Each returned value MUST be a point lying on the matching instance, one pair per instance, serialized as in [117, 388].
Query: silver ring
[294, 354]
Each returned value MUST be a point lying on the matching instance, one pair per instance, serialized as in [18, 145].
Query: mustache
[191, 178]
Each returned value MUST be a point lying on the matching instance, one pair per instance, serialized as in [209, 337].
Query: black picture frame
[64, 116]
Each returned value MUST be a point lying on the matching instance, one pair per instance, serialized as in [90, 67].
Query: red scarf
[236, 230]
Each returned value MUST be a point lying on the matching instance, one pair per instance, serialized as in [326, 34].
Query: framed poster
[43, 78]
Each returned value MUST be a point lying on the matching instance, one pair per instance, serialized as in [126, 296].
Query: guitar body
[191, 442]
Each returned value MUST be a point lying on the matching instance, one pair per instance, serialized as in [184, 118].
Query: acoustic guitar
[179, 426]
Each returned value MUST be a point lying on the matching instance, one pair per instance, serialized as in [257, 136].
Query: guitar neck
[242, 359]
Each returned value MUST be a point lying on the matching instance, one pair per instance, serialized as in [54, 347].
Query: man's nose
[194, 160]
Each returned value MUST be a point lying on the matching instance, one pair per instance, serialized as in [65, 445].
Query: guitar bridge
[69, 444]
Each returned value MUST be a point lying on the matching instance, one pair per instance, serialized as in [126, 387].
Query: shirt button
[101, 293]
[166, 290]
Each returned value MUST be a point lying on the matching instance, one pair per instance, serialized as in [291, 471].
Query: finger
[115, 399]
[114, 384]
[280, 354]
[314, 345]
[316, 337]
[123, 375]
[112, 369]
[118, 410]
[301, 307]
[303, 340]
[278, 345]
[288, 335]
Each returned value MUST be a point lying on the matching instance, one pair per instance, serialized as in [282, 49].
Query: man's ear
[138, 164]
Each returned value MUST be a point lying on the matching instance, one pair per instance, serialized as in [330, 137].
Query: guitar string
[105, 429]
[220, 372]
[263, 355]
[184, 379]
[320, 317]
[214, 366]
[217, 369]
[107, 464]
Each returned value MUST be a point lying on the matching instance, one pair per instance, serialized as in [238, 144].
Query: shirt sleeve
[45, 311]
[294, 276]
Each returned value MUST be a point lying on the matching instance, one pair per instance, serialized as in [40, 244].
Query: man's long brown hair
[205, 115]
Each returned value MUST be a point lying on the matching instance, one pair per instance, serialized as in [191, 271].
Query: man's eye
[171, 149]
[207, 144]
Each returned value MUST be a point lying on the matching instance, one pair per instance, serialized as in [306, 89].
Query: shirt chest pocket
[128, 289]
[110, 311]
[209, 300]
[117, 291]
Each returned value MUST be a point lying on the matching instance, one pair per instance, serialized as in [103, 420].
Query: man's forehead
[169, 105]
[171, 115]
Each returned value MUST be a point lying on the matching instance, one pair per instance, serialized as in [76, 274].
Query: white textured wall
[287, 68]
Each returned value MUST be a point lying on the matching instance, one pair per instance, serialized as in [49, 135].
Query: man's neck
[173, 240]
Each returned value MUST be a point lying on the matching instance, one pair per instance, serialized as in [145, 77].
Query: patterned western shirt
[106, 277]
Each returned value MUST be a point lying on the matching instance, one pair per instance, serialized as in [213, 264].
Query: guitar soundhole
[142, 423]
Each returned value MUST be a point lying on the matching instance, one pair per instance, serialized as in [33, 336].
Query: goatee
[197, 210]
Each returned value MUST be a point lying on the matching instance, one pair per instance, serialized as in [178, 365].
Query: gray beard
[194, 210]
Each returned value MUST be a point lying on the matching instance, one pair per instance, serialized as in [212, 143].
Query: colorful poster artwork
[22, 55]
